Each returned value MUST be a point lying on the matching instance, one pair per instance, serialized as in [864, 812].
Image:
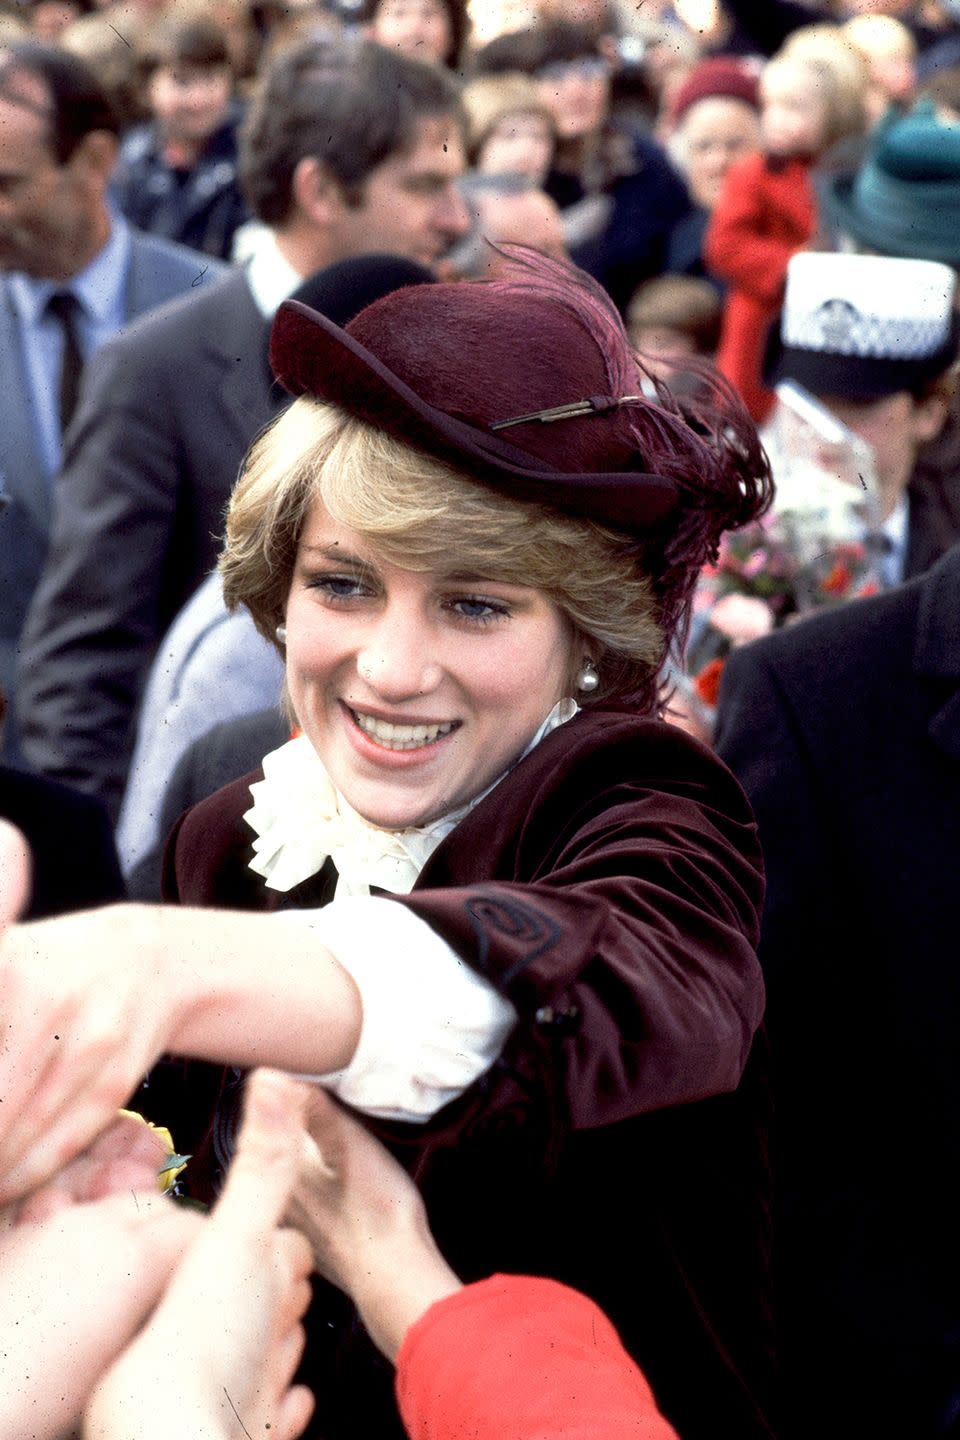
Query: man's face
[410, 205]
[48, 212]
[895, 427]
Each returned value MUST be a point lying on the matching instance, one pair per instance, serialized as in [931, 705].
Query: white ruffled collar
[301, 820]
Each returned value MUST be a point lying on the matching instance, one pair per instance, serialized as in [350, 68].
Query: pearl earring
[281, 634]
[588, 679]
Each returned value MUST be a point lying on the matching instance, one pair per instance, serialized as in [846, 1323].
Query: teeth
[401, 737]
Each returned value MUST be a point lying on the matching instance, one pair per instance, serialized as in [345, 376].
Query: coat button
[561, 1019]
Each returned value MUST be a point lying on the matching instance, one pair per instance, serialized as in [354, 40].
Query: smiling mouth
[401, 737]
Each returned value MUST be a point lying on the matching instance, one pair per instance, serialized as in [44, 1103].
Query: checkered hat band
[838, 329]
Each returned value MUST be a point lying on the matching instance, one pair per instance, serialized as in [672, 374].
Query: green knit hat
[905, 198]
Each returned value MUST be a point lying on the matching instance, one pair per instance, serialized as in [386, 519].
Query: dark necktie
[65, 309]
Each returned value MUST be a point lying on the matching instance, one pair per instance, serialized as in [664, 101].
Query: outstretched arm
[91, 1001]
[365, 1219]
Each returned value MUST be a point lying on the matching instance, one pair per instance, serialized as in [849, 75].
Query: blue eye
[479, 611]
[338, 587]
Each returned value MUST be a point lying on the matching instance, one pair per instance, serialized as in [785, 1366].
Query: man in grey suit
[348, 148]
[61, 250]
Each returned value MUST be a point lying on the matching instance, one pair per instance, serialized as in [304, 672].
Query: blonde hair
[841, 73]
[883, 35]
[491, 98]
[420, 513]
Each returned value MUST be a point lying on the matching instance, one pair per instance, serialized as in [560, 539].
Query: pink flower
[742, 618]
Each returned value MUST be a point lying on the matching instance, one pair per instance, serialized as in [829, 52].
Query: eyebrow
[337, 554]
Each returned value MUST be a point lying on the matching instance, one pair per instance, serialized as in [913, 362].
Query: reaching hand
[225, 1341]
[366, 1222]
[125, 1157]
[88, 1002]
[84, 1015]
[75, 1287]
[14, 873]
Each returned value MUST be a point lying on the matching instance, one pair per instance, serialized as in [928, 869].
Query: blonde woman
[518, 911]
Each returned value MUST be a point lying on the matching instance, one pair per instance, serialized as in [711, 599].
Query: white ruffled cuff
[431, 1026]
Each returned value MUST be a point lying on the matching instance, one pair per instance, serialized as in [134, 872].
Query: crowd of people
[479, 721]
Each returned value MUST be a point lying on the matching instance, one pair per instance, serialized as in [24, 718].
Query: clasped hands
[119, 1307]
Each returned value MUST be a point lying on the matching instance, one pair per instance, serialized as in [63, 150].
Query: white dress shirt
[100, 291]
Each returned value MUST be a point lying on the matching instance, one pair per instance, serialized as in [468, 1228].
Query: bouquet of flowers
[816, 548]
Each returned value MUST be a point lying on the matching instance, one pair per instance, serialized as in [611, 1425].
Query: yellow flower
[168, 1175]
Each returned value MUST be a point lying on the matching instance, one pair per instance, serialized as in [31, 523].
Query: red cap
[723, 77]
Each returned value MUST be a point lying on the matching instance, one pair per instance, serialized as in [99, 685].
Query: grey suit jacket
[167, 413]
[159, 271]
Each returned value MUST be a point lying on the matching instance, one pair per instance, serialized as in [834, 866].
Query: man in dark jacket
[845, 732]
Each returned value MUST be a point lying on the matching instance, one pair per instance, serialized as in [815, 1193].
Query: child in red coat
[767, 211]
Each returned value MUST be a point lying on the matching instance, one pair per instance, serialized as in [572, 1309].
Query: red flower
[707, 683]
[837, 581]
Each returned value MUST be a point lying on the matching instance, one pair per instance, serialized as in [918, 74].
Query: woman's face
[417, 27]
[519, 144]
[416, 689]
[716, 131]
[577, 95]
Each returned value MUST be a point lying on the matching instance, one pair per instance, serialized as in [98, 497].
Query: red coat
[766, 212]
[528, 1349]
[610, 886]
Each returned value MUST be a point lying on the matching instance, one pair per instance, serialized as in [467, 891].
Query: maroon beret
[527, 383]
[474, 373]
[724, 78]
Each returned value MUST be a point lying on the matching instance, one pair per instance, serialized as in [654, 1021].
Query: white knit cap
[871, 306]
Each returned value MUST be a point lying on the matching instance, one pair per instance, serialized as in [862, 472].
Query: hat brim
[841, 210]
[311, 355]
[855, 377]
[883, 235]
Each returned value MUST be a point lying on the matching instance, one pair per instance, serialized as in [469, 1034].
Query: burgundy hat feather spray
[527, 383]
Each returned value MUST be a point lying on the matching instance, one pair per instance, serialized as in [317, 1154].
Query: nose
[453, 216]
[396, 660]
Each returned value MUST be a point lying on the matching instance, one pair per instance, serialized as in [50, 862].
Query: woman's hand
[366, 1222]
[221, 1349]
[87, 1008]
[88, 1002]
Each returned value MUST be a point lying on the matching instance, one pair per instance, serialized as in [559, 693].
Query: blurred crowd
[768, 186]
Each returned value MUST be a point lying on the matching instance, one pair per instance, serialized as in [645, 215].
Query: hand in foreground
[74, 1288]
[224, 1343]
[89, 1001]
[125, 1157]
[366, 1222]
[79, 1016]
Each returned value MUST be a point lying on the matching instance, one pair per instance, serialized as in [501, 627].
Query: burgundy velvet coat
[610, 885]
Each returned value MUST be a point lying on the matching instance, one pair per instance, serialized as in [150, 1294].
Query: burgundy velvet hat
[526, 384]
